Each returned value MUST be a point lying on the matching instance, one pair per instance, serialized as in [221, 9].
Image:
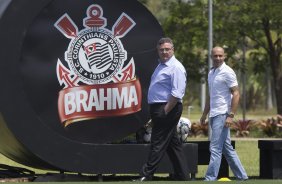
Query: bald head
[218, 56]
[217, 48]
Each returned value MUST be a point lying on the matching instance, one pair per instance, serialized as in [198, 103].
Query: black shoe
[144, 178]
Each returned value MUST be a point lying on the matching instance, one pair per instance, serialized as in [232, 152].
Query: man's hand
[170, 104]
[203, 119]
[228, 121]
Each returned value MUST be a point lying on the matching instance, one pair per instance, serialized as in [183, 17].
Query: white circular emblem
[95, 56]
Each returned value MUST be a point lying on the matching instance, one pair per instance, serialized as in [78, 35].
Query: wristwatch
[231, 115]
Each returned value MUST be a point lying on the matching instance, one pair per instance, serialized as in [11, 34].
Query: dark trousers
[164, 139]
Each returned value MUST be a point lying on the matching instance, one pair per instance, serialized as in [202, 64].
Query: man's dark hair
[165, 40]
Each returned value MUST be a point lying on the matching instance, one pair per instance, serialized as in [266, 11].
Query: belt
[161, 103]
[157, 104]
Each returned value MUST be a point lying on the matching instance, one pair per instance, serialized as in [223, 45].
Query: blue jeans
[220, 143]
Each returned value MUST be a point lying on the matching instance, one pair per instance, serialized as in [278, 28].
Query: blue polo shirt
[168, 79]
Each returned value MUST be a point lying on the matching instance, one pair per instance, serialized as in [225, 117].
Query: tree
[158, 8]
[260, 21]
[234, 21]
[187, 24]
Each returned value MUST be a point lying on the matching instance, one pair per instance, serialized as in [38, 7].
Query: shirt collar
[169, 62]
[220, 67]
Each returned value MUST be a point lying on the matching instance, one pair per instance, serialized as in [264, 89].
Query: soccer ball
[148, 131]
[183, 128]
[147, 134]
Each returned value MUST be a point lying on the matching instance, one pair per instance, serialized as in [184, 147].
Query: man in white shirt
[221, 105]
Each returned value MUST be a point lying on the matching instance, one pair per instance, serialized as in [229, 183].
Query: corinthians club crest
[97, 81]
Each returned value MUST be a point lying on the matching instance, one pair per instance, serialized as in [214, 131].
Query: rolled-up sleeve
[231, 79]
[178, 82]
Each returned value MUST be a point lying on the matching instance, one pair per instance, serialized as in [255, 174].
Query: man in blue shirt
[165, 94]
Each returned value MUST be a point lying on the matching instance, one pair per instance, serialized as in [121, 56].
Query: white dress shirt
[220, 81]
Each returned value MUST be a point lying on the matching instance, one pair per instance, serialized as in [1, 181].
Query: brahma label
[99, 80]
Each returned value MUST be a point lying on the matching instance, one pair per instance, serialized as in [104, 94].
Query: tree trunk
[277, 77]
[278, 94]
[274, 51]
[269, 102]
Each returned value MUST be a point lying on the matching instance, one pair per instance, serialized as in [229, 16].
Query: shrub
[198, 130]
[242, 127]
[271, 127]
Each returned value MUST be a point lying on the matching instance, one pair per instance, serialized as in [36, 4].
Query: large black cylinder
[74, 77]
